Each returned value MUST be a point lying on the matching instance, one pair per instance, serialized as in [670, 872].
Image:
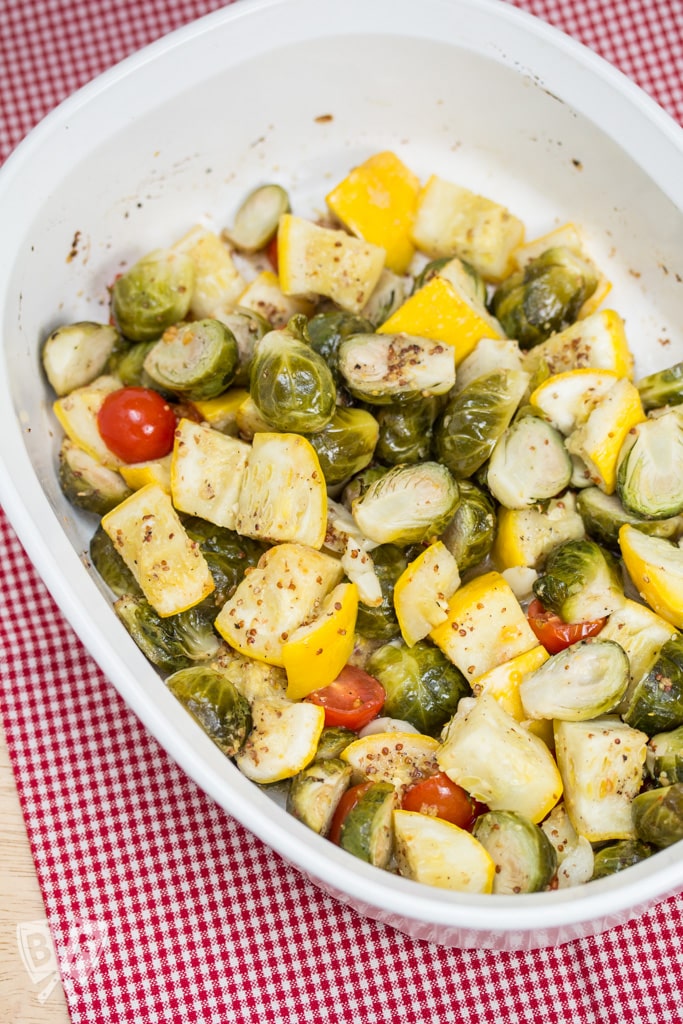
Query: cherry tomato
[271, 252]
[136, 424]
[554, 633]
[440, 796]
[348, 801]
[352, 700]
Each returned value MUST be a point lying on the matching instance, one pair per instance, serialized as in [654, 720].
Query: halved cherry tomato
[136, 424]
[352, 700]
[271, 252]
[554, 633]
[439, 796]
[348, 801]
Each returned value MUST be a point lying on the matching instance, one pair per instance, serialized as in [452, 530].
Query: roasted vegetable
[194, 361]
[658, 815]
[435, 852]
[664, 387]
[127, 362]
[153, 294]
[575, 858]
[86, 483]
[283, 740]
[407, 505]
[405, 431]
[650, 467]
[380, 622]
[315, 792]
[528, 464]
[618, 856]
[170, 643]
[346, 444]
[422, 592]
[384, 368]
[524, 857]
[227, 553]
[664, 759]
[110, 566]
[367, 830]
[333, 739]
[580, 581]
[247, 328]
[215, 704]
[604, 515]
[656, 702]
[655, 566]
[326, 331]
[257, 218]
[470, 534]
[587, 679]
[400, 758]
[75, 354]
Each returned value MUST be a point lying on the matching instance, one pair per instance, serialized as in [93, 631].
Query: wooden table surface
[21, 902]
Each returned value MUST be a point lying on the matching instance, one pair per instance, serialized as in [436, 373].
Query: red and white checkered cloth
[162, 907]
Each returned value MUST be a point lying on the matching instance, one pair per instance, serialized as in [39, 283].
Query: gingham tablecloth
[162, 907]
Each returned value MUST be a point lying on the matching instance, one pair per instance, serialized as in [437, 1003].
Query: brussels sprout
[315, 792]
[346, 444]
[367, 831]
[195, 361]
[470, 534]
[215, 704]
[228, 555]
[390, 292]
[405, 431]
[604, 515]
[153, 294]
[544, 297]
[333, 739]
[580, 581]
[665, 387]
[111, 566]
[656, 702]
[257, 218]
[459, 272]
[326, 331]
[170, 643]
[128, 364]
[650, 467]
[525, 858]
[408, 505]
[247, 328]
[618, 856]
[581, 682]
[380, 623]
[291, 385]
[467, 430]
[86, 483]
[75, 354]
[384, 368]
[429, 271]
[658, 815]
[422, 686]
[664, 759]
[361, 482]
[529, 464]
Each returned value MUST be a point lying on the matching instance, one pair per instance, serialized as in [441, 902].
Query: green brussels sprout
[86, 483]
[618, 856]
[471, 532]
[153, 294]
[170, 643]
[524, 857]
[75, 354]
[389, 293]
[360, 483]
[290, 384]
[577, 684]
[664, 758]
[650, 467]
[215, 705]
[430, 271]
[422, 686]
[656, 702]
[195, 361]
[334, 739]
[471, 281]
[407, 505]
[315, 792]
[665, 387]
[380, 623]
[658, 815]
[381, 369]
[257, 218]
[247, 328]
[227, 554]
[367, 830]
[127, 362]
[580, 581]
[528, 464]
[604, 515]
[326, 331]
[405, 431]
[467, 430]
[346, 445]
[111, 566]
[544, 297]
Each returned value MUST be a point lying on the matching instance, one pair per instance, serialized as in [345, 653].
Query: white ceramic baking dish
[297, 91]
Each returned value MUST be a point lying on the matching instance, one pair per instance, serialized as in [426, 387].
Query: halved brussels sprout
[326, 331]
[658, 815]
[472, 421]
[333, 739]
[580, 581]
[470, 534]
[405, 431]
[170, 643]
[604, 515]
[86, 483]
[153, 294]
[292, 385]
[197, 360]
[665, 387]
[656, 702]
[650, 467]
[422, 686]
[75, 354]
[389, 293]
[247, 328]
[386, 368]
[110, 566]
[215, 704]
[664, 759]
[529, 464]
[346, 444]
[408, 505]
[585, 680]
[315, 792]
[367, 829]
[618, 856]
[380, 623]
[227, 553]
[258, 216]
[544, 297]
[525, 858]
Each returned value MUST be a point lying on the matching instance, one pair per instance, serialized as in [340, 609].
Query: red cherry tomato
[271, 252]
[554, 633]
[441, 797]
[344, 808]
[136, 424]
[352, 700]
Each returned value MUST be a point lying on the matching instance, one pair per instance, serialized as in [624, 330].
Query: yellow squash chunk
[221, 412]
[486, 626]
[422, 592]
[207, 469]
[285, 590]
[566, 399]
[527, 536]
[503, 682]
[377, 202]
[399, 758]
[283, 740]
[439, 312]
[323, 261]
[156, 471]
[452, 220]
[569, 236]
[283, 495]
[640, 632]
[656, 567]
[217, 281]
[316, 652]
[264, 296]
[598, 440]
[168, 565]
[598, 341]
[77, 415]
[434, 852]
